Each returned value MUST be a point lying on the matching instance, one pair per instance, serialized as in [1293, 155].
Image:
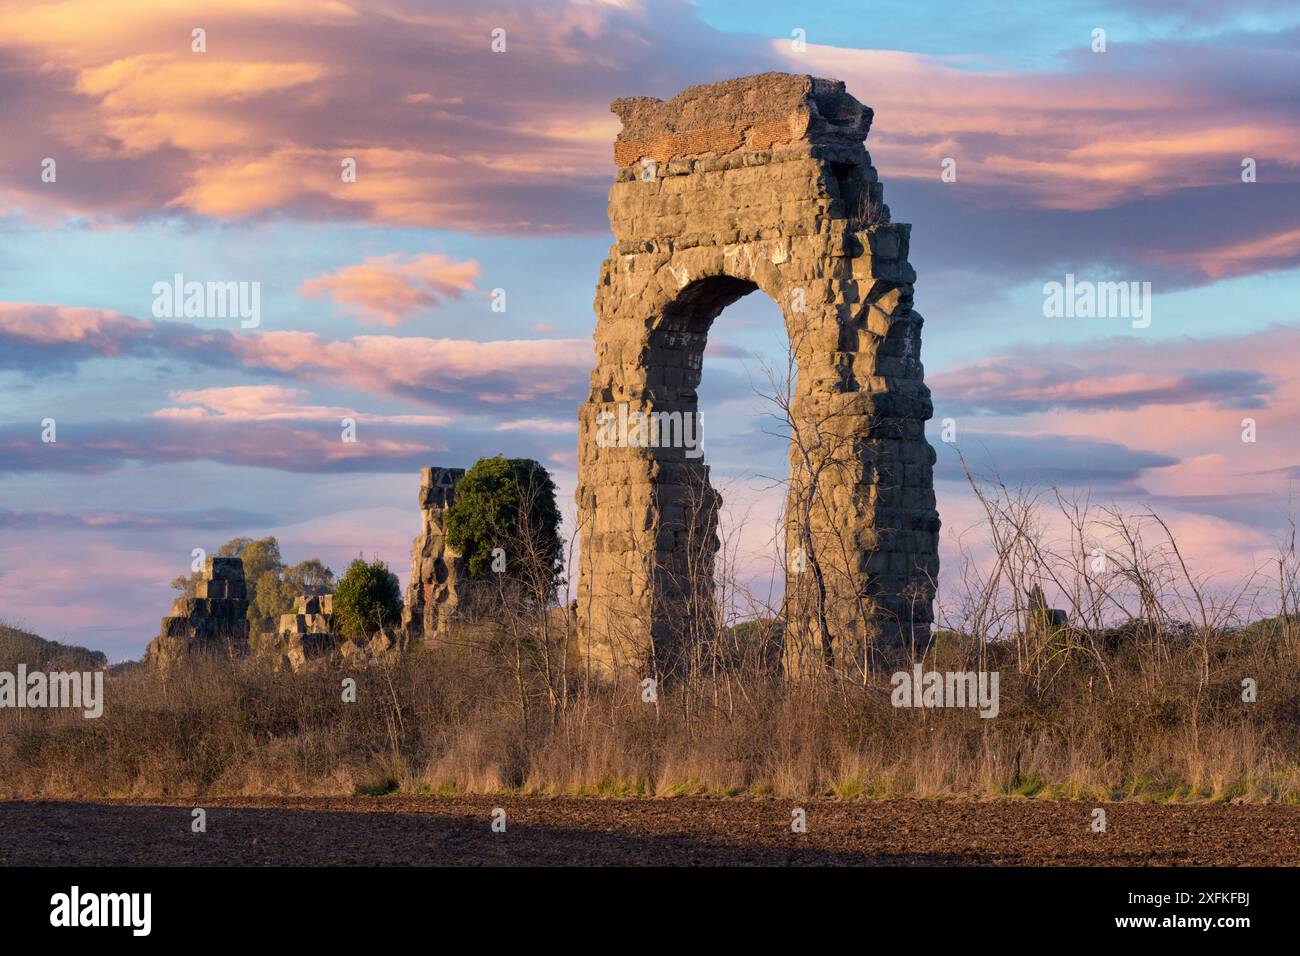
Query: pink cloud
[99, 330]
[549, 425]
[38, 582]
[1279, 250]
[36, 338]
[287, 91]
[386, 290]
[300, 446]
[1082, 138]
[492, 373]
[261, 403]
[1189, 399]
[1124, 373]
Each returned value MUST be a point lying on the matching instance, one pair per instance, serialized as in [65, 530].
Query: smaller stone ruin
[306, 639]
[215, 620]
[438, 574]
[305, 634]
[312, 614]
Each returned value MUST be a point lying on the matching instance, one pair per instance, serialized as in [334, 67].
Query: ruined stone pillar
[214, 621]
[755, 184]
[437, 572]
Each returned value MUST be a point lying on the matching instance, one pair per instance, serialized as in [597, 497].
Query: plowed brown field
[636, 832]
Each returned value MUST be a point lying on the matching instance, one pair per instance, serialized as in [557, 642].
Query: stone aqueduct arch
[759, 183]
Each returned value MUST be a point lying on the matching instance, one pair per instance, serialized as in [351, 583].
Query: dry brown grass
[448, 719]
[1138, 697]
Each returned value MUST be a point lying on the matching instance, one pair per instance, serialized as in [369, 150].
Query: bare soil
[429, 830]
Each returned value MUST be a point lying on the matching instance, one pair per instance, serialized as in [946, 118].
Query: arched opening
[680, 334]
[748, 370]
[723, 510]
[686, 505]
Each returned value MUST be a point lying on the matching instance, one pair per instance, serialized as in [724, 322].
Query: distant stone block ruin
[214, 621]
[312, 614]
[304, 636]
[438, 574]
[757, 184]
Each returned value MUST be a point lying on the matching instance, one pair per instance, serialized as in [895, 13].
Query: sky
[479, 171]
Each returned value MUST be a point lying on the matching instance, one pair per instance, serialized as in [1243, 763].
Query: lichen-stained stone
[437, 572]
[761, 183]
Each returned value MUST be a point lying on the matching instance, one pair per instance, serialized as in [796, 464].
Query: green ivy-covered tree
[508, 504]
[368, 597]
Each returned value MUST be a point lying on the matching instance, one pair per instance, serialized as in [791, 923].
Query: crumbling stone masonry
[759, 183]
[214, 620]
[312, 614]
[306, 639]
[437, 573]
[302, 637]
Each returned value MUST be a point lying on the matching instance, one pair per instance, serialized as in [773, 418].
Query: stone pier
[759, 184]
